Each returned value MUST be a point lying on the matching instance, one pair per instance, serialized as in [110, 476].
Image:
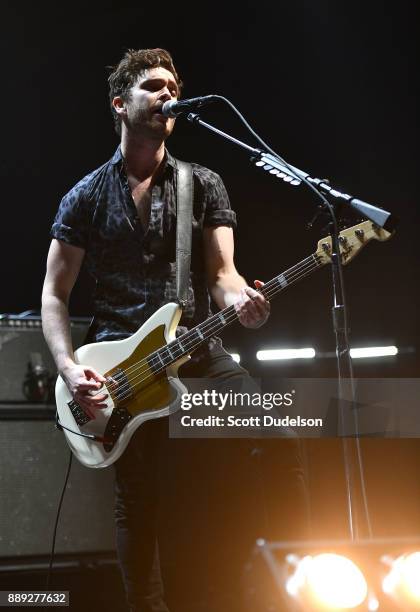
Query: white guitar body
[105, 357]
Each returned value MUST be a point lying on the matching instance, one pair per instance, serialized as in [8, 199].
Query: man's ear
[119, 105]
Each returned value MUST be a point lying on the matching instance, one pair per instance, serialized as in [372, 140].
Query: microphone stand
[380, 217]
[290, 174]
[344, 371]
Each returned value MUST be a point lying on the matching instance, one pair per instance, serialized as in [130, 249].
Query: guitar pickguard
[137, 386]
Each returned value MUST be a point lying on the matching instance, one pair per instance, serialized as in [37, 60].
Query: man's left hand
[252, 307]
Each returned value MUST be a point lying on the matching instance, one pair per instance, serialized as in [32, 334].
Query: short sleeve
[72, 221]
[217, 205]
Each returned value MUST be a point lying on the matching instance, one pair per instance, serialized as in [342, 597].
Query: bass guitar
[141, 371]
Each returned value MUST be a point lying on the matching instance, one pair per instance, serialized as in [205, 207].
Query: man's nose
[165, 94]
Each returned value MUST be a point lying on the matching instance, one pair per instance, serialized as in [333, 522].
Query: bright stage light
[236, 357]
[403, 580]
[304, 353]
[373, 604]
[373, 351]
[329, 580]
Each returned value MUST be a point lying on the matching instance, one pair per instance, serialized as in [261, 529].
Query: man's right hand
[83, 383]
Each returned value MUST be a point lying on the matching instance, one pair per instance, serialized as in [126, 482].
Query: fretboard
[193, 338]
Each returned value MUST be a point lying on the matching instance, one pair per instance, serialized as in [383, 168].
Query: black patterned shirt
[134, 269]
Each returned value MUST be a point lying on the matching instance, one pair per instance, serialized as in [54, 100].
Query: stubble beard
[144, 125]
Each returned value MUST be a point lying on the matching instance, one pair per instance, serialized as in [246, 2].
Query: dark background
[331, 86]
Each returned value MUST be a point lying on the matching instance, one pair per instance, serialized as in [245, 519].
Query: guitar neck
[193, 338]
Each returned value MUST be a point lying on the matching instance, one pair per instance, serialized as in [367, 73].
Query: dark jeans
[137, 490]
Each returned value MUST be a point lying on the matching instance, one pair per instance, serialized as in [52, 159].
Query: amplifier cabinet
[33, 462]
[27, 369]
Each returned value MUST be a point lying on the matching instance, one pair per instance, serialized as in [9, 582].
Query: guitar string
[124, 388]
[205, 327]
[126, 393]
[153, 357]
[316, 263]
[316, 259]
[267, 286]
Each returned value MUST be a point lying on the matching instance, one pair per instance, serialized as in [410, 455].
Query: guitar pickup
[119, 386]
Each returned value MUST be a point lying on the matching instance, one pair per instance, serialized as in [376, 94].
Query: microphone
[175, 108]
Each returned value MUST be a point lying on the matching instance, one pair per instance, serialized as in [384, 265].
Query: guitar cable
[50, 566]
[59, 425]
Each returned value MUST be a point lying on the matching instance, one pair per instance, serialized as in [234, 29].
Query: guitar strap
[184, 206]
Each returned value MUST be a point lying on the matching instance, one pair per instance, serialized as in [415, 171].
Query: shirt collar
[168, 160]
[117, 157]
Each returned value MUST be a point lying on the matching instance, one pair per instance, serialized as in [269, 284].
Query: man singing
[120, 220]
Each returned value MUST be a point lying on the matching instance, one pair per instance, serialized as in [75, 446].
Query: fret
[222, 318]
[281, 279]
[165, 356]
[177, 349]
[170, 353]
[155, 362]
[216, 326]
[193, 338]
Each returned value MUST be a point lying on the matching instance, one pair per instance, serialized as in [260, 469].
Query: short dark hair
[131, 67]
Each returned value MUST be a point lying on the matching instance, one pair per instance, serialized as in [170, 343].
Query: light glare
[403, 579]
[373, 604]
[332, 580]
[304, 353]
[236, 357]
[411, 574]
[373, 351]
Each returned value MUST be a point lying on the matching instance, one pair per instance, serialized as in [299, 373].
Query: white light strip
[236, 357]
[304, 353]
[373, 351]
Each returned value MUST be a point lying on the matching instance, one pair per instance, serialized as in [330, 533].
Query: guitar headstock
[352, 240]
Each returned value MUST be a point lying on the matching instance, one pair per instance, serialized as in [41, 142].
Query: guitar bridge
[78, 413]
